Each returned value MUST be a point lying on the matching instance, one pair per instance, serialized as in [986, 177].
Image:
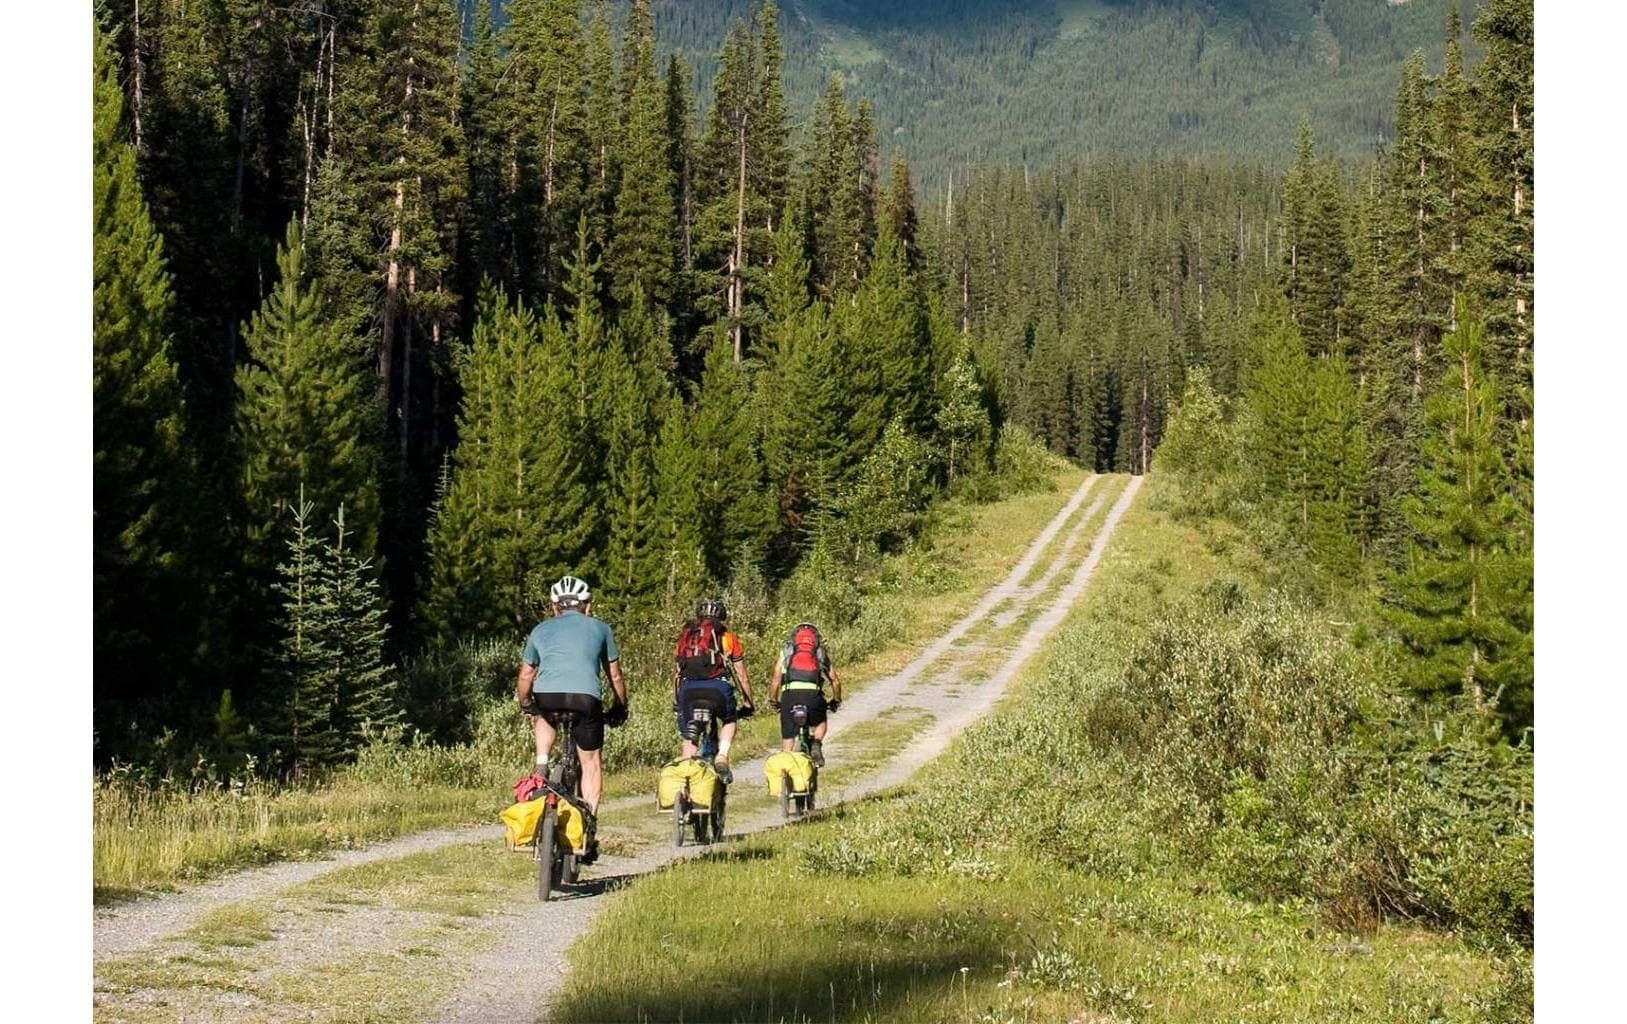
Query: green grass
[1001, 939]
[148, 838]
[948, 900]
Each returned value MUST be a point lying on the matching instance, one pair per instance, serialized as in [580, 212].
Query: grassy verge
[151, 838]
[1018, 879]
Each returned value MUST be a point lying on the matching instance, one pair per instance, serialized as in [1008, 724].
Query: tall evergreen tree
[304, 418]
[1500, 235]
[517, 508]
[307, 728]
[723, 190]
[355, 636]
[1315, 254]
[735, 514]
[547, 63]
[1457, 601]
[646, 226]
[604, 119]
[679, 515]
[145, 591]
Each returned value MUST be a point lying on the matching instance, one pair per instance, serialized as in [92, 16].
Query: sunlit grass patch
[463, 879]
[146, 838]
[237, 925]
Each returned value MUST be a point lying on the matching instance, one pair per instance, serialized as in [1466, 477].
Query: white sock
[723, 748]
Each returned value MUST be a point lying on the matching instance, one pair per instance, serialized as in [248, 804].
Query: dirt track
[524, 934]
[950, 679]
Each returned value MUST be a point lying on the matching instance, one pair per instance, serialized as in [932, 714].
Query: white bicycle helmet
[569, 591]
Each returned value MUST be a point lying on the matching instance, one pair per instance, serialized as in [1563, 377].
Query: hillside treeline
[1354, 347]
[1034, 81]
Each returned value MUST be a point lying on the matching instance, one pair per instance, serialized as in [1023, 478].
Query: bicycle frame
[557, 864]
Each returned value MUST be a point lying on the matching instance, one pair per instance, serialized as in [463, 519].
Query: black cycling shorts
[588, 732]
[716, 694]
[813, 700]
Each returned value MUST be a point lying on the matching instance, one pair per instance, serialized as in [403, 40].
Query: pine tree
[723, 189]
[735, 514]
[546, 61]
[1457, 601]
[490, 125]
[963, 423]
[679, 517]
[305, 415]
[603, 119]
[1500, 235]
[771, 121]
[1315, 257]
[899, 213]
[807, 447]
[886, 328]
[307, 672]
[835, 194]
[632, 573]
[1304, 442]
[642, 253]
[143, 473]
[517, 507]
[355, 636]
[687, 287]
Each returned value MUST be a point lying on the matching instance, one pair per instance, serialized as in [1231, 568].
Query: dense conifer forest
[403, 309]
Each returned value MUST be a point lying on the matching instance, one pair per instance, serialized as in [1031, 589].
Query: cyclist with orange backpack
[801, 672]
[706, 655]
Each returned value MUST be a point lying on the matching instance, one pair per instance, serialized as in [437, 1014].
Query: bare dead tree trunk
[1146, 427]
[332, 61]
[406, 370]
[306, 114]
[548, 153]
[137, 92]
[737, 263]
[392, 285]
[435, 378]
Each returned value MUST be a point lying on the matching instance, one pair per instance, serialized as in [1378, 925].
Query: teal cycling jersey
[567, 651]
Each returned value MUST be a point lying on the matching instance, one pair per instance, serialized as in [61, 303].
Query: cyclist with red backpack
[706, 655]
[800, 675]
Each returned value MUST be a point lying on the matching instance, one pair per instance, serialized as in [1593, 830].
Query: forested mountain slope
[960, 81]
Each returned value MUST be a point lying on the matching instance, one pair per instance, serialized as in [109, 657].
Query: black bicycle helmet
[711, 608]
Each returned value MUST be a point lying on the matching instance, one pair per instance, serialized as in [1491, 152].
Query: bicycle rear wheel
[720, 804]
[785, 794]
[547, 858]
[680, 818]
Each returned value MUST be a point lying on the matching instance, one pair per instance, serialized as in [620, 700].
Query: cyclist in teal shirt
[559, 671]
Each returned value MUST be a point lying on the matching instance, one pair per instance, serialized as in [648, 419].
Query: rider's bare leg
[787, 744]
[592, 777]
[543, 734]
[725, 737]
[818, 731]
[690, 750]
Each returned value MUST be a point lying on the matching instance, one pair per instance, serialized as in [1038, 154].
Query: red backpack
[805, 657]
[700, 650]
